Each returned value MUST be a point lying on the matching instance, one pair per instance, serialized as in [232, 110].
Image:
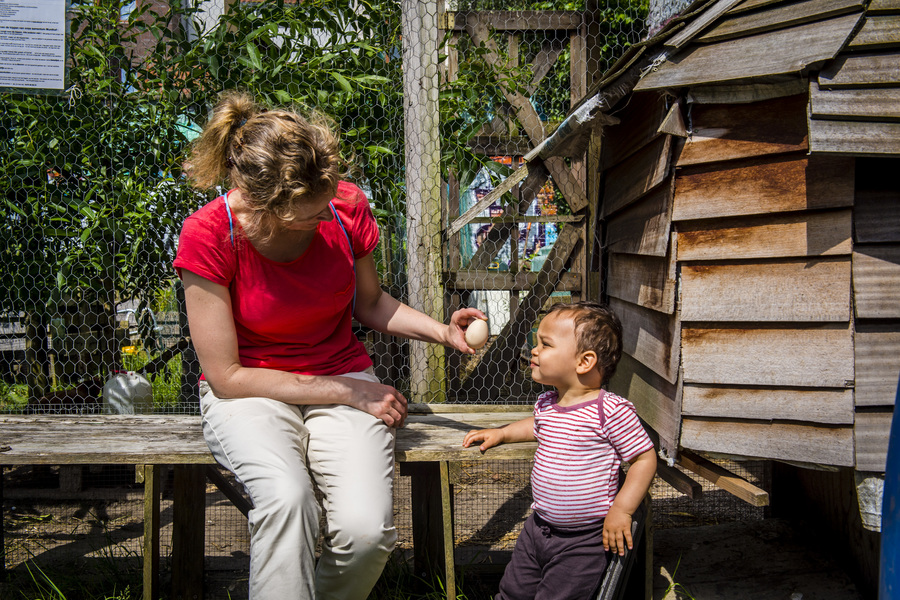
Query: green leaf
[342, 81]
[254, 55]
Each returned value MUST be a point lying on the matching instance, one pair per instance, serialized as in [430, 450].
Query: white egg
[477, 333]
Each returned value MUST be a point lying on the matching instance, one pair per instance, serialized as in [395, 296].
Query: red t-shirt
[293, 316]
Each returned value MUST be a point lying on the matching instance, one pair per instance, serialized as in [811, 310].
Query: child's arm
[520, 431]
[617, 525]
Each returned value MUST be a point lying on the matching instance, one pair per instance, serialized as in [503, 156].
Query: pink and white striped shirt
[575, 476]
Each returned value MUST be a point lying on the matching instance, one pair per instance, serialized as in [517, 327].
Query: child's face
[554, 358]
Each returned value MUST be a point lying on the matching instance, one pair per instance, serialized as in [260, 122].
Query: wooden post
[190, 374]
[432, 505]
[423, 200]
[151, 532]
[2, 536]
[188, 533]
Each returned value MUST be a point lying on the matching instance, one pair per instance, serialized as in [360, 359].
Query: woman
[273, 272]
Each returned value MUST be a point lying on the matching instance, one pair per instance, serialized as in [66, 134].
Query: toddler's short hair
[597, 328]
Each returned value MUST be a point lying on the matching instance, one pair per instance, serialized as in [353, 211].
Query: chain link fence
[436, 102]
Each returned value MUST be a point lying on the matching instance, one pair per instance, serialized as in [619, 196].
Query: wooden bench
[425, 448]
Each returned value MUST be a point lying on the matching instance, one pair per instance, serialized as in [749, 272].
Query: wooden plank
[678, 480]
[723, 478]
[151, 532]
[643, 227]
[766, 236]
[649, 337]
[820, 405]
[517, 20]
[494, 195]
[699, 23]
[826, 445]
[854, 137]
[639, 124]
[647, 281]
[521, 281]
[883, 6]
[784, 291]
[432, 517]
[876, 216]
[797, 48]
[635, 176]
[657, 401]
[188, 532]
[816, 356]
[877, 32]
[848, 104]
[872, 433]
[877, 354]
[748, 5]
[727, 131]
[876, 279]
[756, 91]
[785, 15]
[862, 70]
[764, 186]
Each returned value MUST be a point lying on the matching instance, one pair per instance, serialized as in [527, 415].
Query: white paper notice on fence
[33, 44]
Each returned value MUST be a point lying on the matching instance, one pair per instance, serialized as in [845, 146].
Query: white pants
[279, 451]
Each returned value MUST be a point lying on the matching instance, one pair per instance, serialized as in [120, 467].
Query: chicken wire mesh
[436, 102]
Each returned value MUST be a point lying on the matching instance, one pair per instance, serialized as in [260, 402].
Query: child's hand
[617, 531]
[488, 437]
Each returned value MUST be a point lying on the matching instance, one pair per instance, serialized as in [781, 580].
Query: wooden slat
[854, 137]
[643, 227]
[639, 122]
[649, 337]
[439, 436]
[748, 5]
[766, 236]
[634, 177]
[877, 32]
[863, 104]
[657, 401]
[763, 187]
[152, 492]
[726, 131]
[877, 354]
[490, 280]
[820, 405]
[876, 281]
[816, 356]
[784, 291]
[779, 441]
[518, 20]
[862, 70]
[788, 50]
[876, 216]
[699, 23]
[883, 6]
[786, 15]
[647, 281]
[724, 479]
[872, 433]
[679, 480]
[756, 91]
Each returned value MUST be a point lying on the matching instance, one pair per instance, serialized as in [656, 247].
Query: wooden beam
[724, 478]
[789, 50]
[858, 138]
[521, 281]
[763, 187]
[779, 17]
[188, 532]
[766, 236]
[494, 195]
[678, 480]
[785, 291]
[516, 20]
[726, 132]
[151, 532]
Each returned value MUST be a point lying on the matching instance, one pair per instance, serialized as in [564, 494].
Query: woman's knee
[364, 537]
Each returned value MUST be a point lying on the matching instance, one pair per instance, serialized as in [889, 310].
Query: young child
[584, 433]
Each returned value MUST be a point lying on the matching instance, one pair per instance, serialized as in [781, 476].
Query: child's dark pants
[554, 563]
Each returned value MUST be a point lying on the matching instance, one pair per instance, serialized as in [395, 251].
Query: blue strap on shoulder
[352, 257]
[230, 220]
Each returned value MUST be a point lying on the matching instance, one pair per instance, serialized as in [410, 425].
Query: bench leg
[151, 531]
[432, 505]
[189, 532]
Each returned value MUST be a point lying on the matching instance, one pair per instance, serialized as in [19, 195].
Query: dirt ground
[712, 549]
